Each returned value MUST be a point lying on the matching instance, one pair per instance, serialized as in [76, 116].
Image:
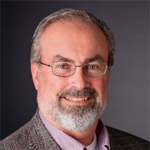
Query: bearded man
[71, 56]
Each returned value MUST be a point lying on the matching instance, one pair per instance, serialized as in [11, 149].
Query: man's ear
[35, 74]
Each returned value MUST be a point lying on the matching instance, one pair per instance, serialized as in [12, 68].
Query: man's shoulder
[33, 135]
[121, 140]
[12, 140]
[20, 138]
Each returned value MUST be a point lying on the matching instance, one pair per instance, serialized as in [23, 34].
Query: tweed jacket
[35, 136]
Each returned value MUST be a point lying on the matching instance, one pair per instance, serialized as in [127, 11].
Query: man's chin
[73, 117]
[77, 118]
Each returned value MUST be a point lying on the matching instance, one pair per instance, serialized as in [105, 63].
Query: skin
[77, 41]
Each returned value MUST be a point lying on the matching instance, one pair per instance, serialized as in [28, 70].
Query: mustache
[74, 92]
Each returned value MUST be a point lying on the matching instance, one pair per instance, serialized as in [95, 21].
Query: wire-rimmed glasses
[66, 69]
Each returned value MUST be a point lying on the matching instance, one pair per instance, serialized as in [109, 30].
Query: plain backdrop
[128, 98]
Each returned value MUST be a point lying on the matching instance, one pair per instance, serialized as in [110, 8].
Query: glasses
[66, 69]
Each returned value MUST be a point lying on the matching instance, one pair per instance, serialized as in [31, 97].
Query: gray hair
[68, 14]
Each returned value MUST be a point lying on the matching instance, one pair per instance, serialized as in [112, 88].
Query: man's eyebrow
[95, 58]
[61, 58]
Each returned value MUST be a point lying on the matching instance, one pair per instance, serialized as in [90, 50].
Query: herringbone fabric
[34, 136]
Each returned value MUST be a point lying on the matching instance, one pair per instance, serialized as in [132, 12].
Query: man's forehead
[61, 29]
[72, 39]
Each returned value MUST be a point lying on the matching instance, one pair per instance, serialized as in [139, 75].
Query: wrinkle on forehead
[62, 58]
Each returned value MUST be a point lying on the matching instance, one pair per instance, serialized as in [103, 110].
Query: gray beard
[74, 117]
[77, 118]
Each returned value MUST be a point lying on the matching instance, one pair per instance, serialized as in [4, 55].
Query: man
[71, 56]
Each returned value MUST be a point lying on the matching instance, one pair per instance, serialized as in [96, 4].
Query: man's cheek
[101, 87]
[58, 84]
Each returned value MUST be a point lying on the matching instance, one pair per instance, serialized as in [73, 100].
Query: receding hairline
[71, 20]
[71, 14]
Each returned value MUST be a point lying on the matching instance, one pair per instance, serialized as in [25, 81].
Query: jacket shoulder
[12, 140]
[121, 140]
[33, 135]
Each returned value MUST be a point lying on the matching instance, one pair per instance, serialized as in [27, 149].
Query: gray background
[128, 99]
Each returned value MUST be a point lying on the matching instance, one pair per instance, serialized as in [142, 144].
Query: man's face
[71, 102]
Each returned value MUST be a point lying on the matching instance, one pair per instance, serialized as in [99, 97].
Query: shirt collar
[103, 137]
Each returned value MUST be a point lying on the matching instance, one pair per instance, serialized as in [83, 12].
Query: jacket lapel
[39, 137]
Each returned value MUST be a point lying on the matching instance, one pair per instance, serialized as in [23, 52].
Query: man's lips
[77, 99]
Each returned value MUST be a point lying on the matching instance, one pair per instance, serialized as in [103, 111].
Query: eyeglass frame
[106, 66]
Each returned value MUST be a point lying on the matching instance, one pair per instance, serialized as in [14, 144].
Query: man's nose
[79, 80]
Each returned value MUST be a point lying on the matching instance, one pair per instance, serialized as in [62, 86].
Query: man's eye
[63, 66]
[93, 67]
